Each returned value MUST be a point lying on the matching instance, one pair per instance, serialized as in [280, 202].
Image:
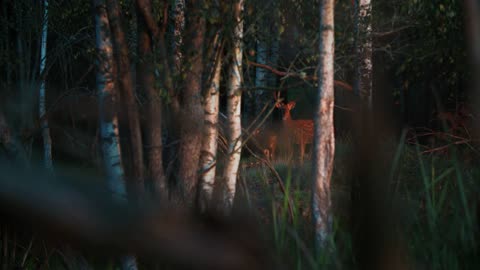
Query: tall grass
[436, 194]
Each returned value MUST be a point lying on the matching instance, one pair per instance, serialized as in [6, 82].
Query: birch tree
[127, 93]
[324, 142]
[107, 94]
[208, 156]
[234, 101]
[191, 116]
[47, 140]
[363, 49]
[146, 84]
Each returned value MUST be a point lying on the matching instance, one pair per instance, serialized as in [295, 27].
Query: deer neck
[287, 117]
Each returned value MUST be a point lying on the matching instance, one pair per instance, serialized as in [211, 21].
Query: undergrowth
[434, 198]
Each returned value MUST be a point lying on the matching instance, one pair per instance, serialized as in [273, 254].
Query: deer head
[301, 131]
[286, 108]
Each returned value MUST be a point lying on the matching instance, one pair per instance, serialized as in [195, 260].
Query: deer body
[265, 139]
[299, 131]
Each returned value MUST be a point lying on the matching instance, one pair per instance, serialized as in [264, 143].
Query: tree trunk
[47, 140]
[260, 77]
[324, 142]
[108, 96]
[234, 100]
[146, 85]
[179, 26]
[6, 46]
[107, 93]
[273, 55]
[128, 96]
[208, 156]
[472, 11]
[191, 115]
[364, 69]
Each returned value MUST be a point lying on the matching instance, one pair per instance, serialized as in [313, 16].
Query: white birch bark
[208, 158]
[107, 95]
[364, 51]
[234, 99]
[47, 140]
[324, 142]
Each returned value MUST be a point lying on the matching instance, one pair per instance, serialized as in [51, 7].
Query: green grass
[435, 196]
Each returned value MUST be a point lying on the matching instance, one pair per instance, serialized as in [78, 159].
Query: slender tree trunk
[108, 95]
[234, 100]
[472, 11]
[364, 68]
[324, 142]
[128, 95]
[260, 77]
[191, 115]
[208, 156]
[47, 140]
[179, 26]
[146, 84]
[158, 39]
[274, 54]
[7, 52]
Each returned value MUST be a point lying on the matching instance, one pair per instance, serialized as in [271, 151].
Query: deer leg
[272, 153]
[302, 152]
[267, 154]
[272, 146]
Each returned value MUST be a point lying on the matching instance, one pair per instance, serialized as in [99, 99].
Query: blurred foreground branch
[85, 216]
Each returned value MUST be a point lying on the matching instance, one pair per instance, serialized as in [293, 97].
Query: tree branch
[337, 83]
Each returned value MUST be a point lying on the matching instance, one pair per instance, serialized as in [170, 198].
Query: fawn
[300, 131]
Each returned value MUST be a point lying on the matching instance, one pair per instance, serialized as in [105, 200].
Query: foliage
[433, 195]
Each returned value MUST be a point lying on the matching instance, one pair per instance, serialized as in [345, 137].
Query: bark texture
[178, 28]
[106, 89]
[158, 38]
[234, 102]
[324, 142]
[208, 156]
[363, 85]
[107, 95]
[146, 84]
[127, 91]
[191, 115]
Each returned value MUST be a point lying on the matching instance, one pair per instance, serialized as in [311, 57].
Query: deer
[299, 131]
[267, 139]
